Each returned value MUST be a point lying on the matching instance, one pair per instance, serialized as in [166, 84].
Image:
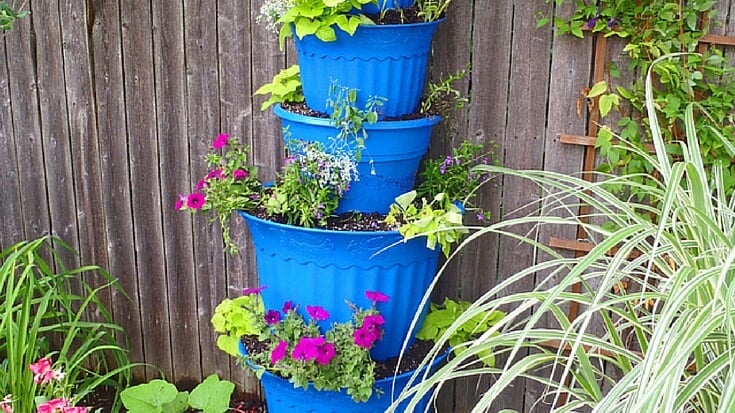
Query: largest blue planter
[324, 267]
[388, 61]
[388, 163]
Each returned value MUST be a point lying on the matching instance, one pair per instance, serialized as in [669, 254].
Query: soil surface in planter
[300, 108]
[349, 221]
[392, 16]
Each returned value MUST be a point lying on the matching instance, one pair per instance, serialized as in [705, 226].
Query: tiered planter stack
[325, 267]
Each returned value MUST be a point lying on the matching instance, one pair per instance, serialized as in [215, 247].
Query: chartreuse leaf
[598, 89]
[212, 395]
[150, 397]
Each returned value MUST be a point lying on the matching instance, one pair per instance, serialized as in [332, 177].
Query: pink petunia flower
[196, 200]
[53, 405]
[180, 202]
[272, 317]
[200, 185]
[239, 174]
[215, 174]
[326, 353]
[75, 409]
[316, 312]
[251, 291]
[363, 338]
[279, 352]
[376, 297]
[287, 306]
[307, 348]
[221, 141]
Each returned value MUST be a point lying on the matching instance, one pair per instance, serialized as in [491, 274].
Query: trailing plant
[660, 291]
[38, 303]
[285, 87]
[10, 14]
[440, 317]
[443, 98]
[431, 10]
[652, 29]
[296, 349]
[349, 119]
[157, 396]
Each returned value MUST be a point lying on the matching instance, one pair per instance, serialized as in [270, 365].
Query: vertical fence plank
[170, 64]
[116, 187]
[11, 219]
[144, 159]
[203, 126]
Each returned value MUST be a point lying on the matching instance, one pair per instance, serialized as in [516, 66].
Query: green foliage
[440, 220]
[349, 119]
[319, 17]
[285, 87]
[656, 327]
[234, 318]
[309, 187]
[41, 299]
[9, 15]
[440, 317]
[159, 396]
[443, 98]
[431, 10]
[653, 29]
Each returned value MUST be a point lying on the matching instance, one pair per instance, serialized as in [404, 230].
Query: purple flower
[272, 317]
[590, 23]
[221, 141]
[317, 312]
[279, 352]
[180, 202]
[611, 22]
[481, 217]
[239, 174]
[287, 306]
[363, 338]
[251, 291]
[326, 353]
[376, 297]
[195, 200]
[307, 348]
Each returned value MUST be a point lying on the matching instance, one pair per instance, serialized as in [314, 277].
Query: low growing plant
[320, 17]
[159, 396]
[297, 350]
[10, 13]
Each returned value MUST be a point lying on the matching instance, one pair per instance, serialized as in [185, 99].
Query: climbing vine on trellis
[651, 29]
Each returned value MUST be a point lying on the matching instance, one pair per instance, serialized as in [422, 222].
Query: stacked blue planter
[326, 267]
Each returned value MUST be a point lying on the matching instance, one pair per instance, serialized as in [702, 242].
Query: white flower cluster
[335, 170]
[271, 11]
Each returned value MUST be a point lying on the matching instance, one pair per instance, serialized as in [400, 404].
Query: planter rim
[369, 234]
[429, 120]
[393, 26]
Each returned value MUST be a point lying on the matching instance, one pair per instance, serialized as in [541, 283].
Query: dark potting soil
[410, 361]
[300, 108]
[349, 221]
[393, 16]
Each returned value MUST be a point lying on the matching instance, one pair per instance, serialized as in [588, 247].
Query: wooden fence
[107, 107]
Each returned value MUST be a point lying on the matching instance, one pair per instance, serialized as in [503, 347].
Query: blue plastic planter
[282, 397]
[386, 4]
[388, 164]
[322, 267]
[388, 61]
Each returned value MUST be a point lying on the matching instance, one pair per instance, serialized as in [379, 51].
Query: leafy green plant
[443, 98]
[285, 87]
[652, 29]
[431, 10]
[440, 317]
[308, 189]
[349, 119]
[234, 318]
[10, 14]
[440, 220]
[297, 350]
[158, 396]
[319, 17]
[661, 291]
[38, 303]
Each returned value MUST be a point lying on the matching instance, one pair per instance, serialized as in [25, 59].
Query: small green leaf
[598, 89]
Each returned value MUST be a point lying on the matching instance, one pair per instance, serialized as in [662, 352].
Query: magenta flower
[215, 174]
[43, 373]
[195, 200]
[317, 312]
[287, 306]
[279, 352]
[221, 141]
[307, 348]
[363, 338]
[6, 404]
[53, 406]
[272, 317]
[75, 410]
[376, 297]
[180, 202]
[251, 291]
[373, 320]
[239, 174]
[200, 185]
[326, 353]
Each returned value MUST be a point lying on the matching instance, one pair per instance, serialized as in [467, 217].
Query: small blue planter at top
[386, 4]
[282, 397]
[389, 161]
[388, 61]
[324, 267]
